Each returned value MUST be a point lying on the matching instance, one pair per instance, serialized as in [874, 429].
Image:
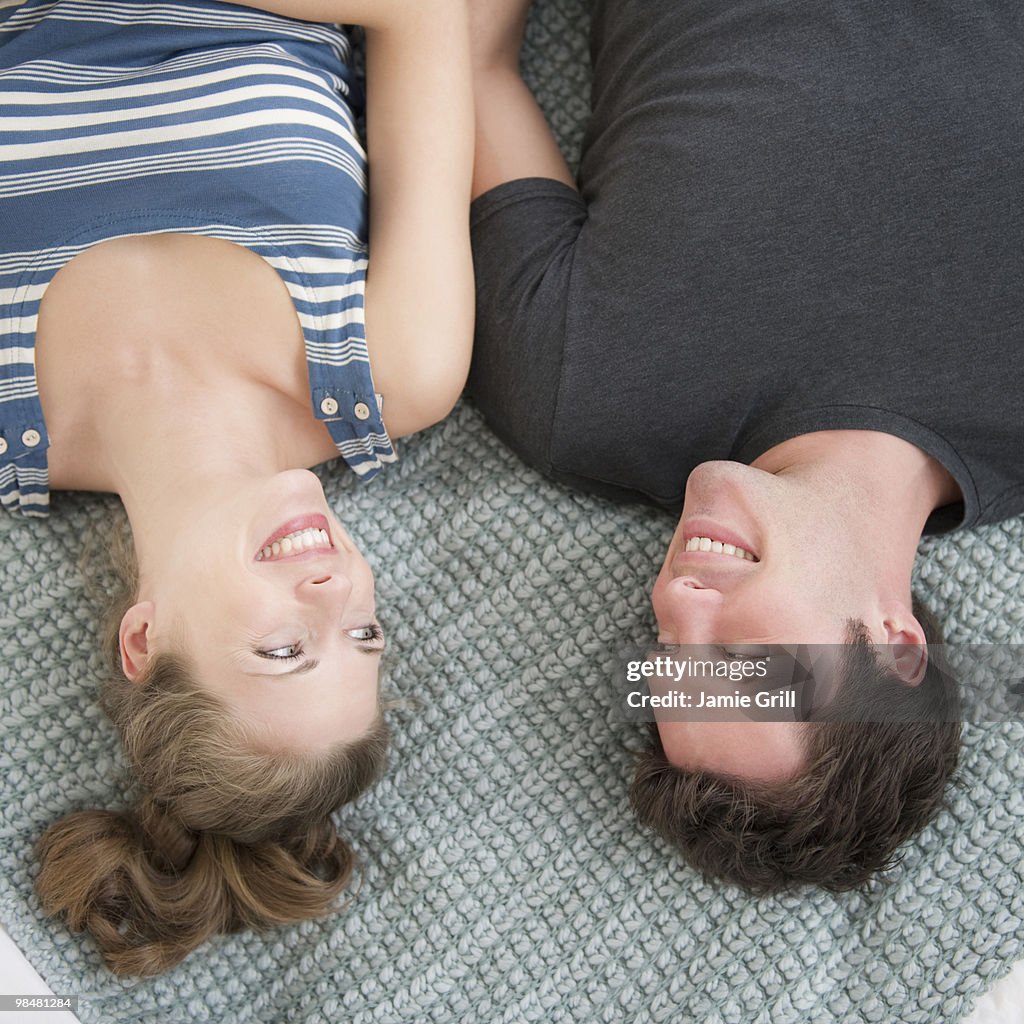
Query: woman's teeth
[716, 546]
[301, 540]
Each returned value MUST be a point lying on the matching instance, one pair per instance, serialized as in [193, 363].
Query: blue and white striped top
[191, 116]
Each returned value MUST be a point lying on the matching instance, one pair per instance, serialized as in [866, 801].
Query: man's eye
[286, 653]
[751, 653]
[365, 633]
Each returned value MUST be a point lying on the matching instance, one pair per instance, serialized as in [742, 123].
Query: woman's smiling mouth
[296, 537]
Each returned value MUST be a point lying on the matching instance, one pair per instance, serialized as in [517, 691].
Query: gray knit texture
[502, 875]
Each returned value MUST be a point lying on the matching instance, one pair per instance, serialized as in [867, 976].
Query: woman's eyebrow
[306, 666]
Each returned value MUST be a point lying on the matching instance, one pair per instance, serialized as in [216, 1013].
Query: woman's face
[273, 605]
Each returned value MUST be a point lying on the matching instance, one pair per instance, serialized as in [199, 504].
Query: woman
[188, 321]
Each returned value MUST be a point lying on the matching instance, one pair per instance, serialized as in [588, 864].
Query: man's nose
[691, 582]
[686, 611]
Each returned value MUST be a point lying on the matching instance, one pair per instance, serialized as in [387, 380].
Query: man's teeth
[301, 540]
[716, 546]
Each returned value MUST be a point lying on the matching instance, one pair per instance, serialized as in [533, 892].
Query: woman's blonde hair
[227, 836]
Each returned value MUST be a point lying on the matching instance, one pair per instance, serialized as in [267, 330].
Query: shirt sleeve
[524, 236]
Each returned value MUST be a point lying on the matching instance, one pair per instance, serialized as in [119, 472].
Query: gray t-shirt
[795, 215]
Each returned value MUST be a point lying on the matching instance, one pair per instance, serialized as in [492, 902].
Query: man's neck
[893, 485]
[881, 462]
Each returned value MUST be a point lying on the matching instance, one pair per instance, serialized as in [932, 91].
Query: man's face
[796, 578]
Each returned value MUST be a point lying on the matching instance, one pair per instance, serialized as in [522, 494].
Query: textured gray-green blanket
[503, 877]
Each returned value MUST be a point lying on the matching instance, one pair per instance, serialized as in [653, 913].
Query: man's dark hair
[867, 787]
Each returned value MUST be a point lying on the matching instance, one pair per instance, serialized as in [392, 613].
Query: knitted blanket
[503, 877]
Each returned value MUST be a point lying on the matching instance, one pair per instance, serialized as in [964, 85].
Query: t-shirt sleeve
[524, 236]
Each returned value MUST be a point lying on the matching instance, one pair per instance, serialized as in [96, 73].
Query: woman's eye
[366, 633]
[286, 653]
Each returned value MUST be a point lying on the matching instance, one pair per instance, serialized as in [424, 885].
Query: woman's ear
[133, 638]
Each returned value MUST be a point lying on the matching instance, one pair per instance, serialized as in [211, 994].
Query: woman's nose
[325, 586]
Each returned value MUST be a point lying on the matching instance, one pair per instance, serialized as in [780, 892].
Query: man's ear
[134, 637]
[906, 645]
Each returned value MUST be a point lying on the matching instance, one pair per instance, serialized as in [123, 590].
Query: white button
[3, 446]
[329, 406]
[362, 411]
[30, 438]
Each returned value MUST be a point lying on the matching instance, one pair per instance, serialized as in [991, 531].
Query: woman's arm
[419, 293]
[347, 12]
[419, 289]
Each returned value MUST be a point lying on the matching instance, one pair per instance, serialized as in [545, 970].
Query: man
[785, 296]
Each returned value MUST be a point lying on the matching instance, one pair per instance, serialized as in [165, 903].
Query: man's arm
[513, 139]
[525, 241]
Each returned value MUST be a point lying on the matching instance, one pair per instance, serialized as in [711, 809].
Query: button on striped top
[197, 117]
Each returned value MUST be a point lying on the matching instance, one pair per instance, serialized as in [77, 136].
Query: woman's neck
[158, 441]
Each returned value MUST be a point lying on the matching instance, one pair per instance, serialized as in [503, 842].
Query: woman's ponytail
[150, 891]
[96, 872]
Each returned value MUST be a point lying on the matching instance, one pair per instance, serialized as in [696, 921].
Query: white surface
[1003, 1003]
[18, 977]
